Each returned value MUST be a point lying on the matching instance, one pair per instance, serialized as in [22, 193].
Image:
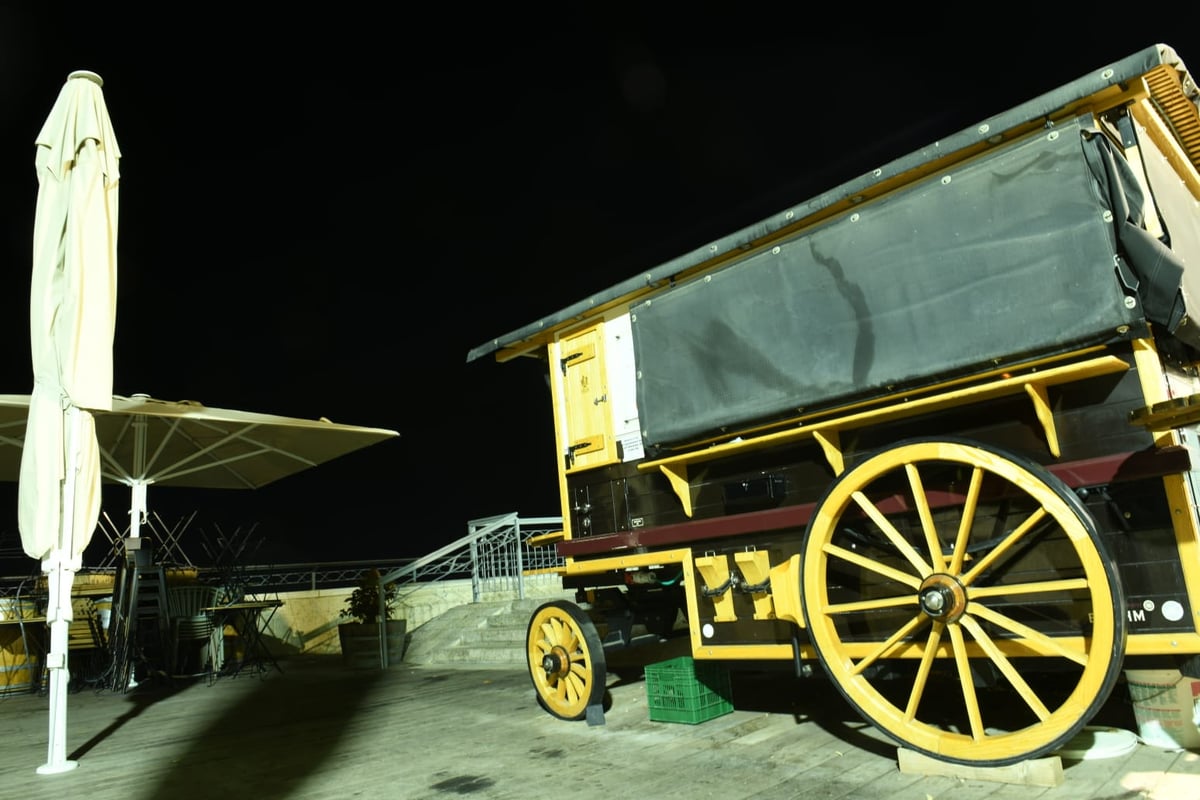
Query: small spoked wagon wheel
[566, 659]
[961, 600]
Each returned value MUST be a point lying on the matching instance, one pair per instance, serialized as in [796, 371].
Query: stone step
[483, 653]
[492, 632]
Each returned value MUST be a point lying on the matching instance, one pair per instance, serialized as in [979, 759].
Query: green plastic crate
[683, 690]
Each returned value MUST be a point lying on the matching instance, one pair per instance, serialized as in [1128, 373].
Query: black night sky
[321, 216]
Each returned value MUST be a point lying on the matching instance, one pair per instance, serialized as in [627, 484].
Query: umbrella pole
[59, 675]
[137, 508]
[60, 568]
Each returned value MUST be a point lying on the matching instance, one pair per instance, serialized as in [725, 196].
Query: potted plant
[360, 633]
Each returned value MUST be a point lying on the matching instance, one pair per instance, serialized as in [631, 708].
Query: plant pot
[360, 643]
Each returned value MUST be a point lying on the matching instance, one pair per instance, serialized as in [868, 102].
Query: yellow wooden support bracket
[755, 566]
[715, 571]
[785, 589]
[826, 431]
[831, 442]
[677, 476]
[1041, 407]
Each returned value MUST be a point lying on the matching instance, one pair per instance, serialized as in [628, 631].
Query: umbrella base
[54, 769]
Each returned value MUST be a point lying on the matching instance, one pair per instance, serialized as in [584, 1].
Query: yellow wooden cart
[929, 435]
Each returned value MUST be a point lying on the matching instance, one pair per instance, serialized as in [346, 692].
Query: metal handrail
[496, 555]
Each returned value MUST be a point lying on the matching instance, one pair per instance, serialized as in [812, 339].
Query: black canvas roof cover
[1001, 259]
[1031, 111]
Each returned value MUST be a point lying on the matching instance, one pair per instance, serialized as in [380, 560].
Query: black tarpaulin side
[1002, 258]
[1160, 272]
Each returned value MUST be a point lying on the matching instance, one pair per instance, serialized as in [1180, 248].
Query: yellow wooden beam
[827, 431]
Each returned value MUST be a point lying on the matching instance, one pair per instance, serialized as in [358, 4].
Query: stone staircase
[487, 632]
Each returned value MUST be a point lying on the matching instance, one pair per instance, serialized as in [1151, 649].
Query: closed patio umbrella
[72, 316]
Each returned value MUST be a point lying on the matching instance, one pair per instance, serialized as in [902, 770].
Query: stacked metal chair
[195, 644]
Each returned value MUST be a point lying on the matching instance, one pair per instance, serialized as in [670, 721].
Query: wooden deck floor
[320, 731]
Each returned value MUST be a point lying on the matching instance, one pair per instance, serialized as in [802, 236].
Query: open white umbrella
[72, 316]
[142, 441]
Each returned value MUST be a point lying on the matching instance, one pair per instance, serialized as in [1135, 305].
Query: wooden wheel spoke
[1006, 668]
[1006, 544]
[1045, 644]
[905, 630]
[875, 604]
[959, 556]
[932, 540]
[872, 565]
[967, 681]
[889, 530]
[922, 677]
[1039, 587]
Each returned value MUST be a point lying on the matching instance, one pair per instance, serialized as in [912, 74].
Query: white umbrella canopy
[143, 441]
[72, 310]
[72, 316]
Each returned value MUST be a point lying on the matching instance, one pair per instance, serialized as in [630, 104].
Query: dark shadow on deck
[281, 731]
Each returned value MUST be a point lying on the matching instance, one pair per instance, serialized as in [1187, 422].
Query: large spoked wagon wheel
[962, 601]
[566, 659]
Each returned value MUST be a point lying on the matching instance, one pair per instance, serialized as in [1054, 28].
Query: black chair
[196, 644]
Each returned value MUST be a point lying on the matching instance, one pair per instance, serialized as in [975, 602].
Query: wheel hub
[942, 597]
[556, 663]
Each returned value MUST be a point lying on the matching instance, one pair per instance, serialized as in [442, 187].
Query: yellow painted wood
[1166, 133]
[543, 539]
[785, 590]
[1034, 384]
[677, 476]
[1152, 644]
[1041, 407]
[681, 556]
[750, 652]
[963, 637]
[715, 571]
[831, 445]
[562, 634]
[586, 405]
[755, 566]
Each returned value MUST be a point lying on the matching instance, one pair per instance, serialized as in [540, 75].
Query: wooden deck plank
[319, 731]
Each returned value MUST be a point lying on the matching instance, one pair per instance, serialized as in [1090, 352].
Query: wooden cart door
[589, 439]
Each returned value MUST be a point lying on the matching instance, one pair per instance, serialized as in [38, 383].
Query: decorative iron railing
[495, 554]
